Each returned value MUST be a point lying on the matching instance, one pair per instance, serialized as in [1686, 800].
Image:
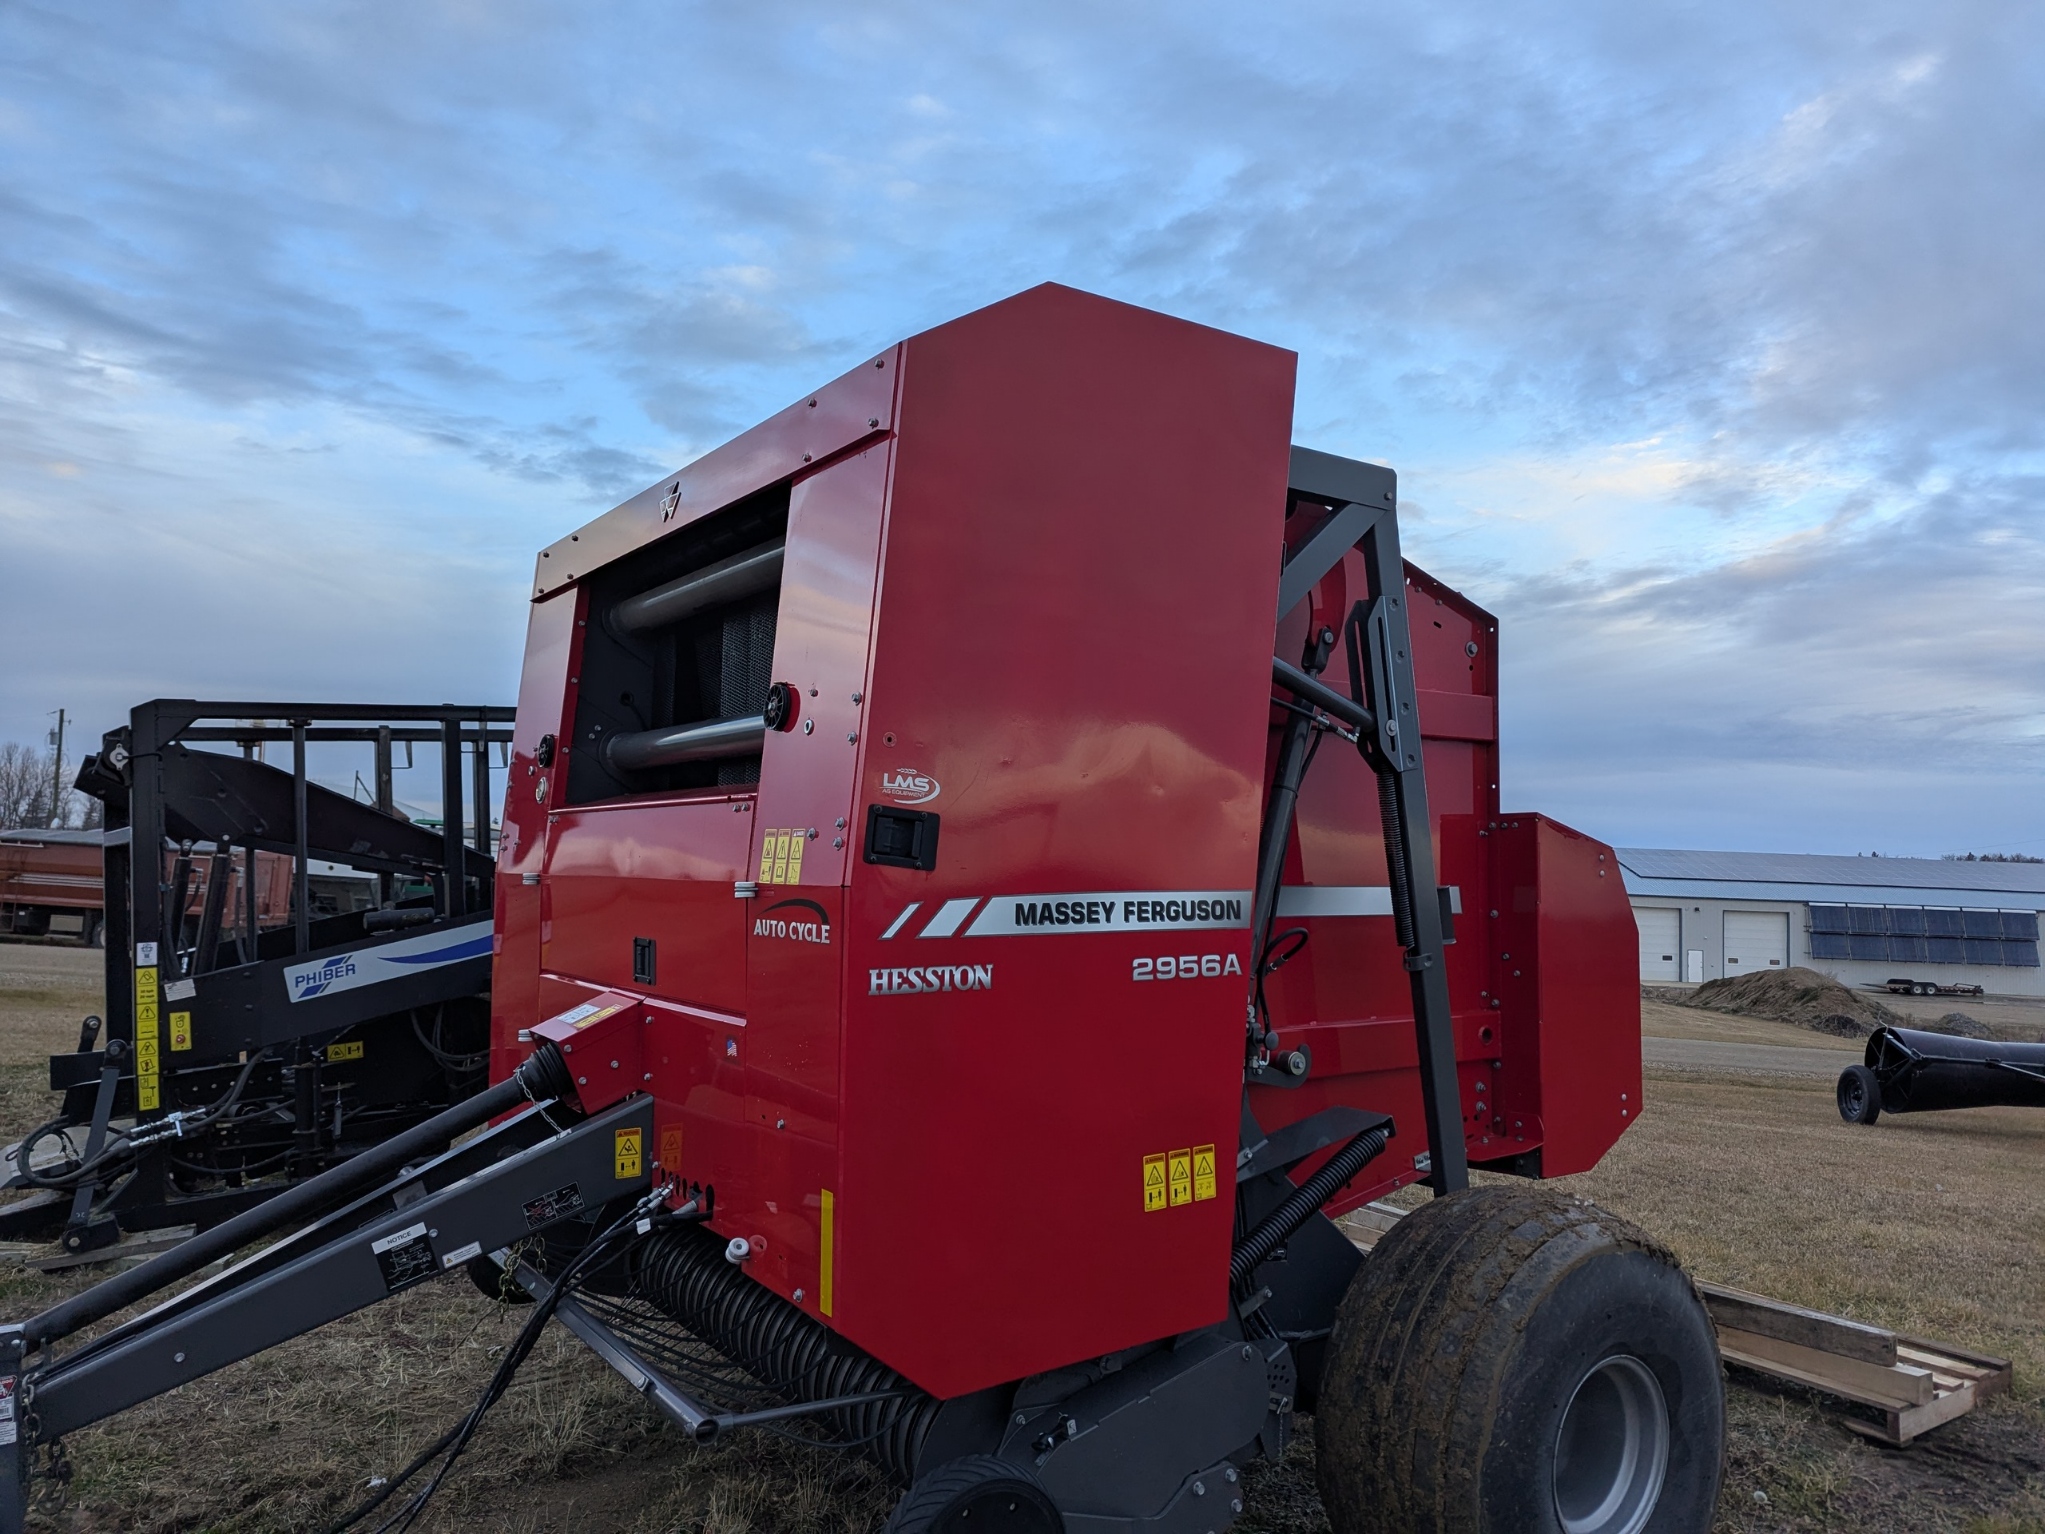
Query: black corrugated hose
[684, 1272]
[1304, 1202]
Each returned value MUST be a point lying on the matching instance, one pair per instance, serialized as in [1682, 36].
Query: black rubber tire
[1860, 1095]
[1461, 1345]
[977, 1494]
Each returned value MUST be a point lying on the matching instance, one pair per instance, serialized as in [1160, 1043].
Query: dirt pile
[1799, 996]
[1962, 1023]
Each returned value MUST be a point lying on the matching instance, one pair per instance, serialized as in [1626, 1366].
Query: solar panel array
[1902, 934]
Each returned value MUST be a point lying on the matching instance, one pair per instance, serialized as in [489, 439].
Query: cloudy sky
[1708, 340]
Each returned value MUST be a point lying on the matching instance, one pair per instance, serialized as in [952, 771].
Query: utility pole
[57, 770]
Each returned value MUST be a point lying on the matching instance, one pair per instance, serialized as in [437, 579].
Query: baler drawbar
[945, 994]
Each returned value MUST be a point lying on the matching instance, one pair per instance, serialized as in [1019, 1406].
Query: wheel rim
[1851, 1096]
[1611, 1450]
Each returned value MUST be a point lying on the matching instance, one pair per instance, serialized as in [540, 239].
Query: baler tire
[1860, 1095]
[976, 1494]
[1461, 1353]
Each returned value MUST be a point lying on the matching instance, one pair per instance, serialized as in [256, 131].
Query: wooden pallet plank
[1891, 1388]
[1757, 1314]
[1992, 1373]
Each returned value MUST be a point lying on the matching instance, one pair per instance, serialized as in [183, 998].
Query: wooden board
[1792, 1323]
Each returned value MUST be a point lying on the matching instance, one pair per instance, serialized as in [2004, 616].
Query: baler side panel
[1083, 692]
[796, 940]
[515, 969]
[821, 641]
[661, 870]
[1588, 968]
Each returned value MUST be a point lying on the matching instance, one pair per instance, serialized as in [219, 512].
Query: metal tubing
[479, 793]
[1277, 836]
[251, 916]
[219, 872]
[302, 856]
[451, 859]
[1322, 696]
[757, 569]
[386, 800]
[685, 743]
[174, 914]
[544, 1072]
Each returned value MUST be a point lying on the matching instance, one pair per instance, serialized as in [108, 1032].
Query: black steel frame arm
[349, 1262]
[1383, 707]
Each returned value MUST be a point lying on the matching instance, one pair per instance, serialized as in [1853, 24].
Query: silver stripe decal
[950, 917]
[1297, 900]
[901, 921]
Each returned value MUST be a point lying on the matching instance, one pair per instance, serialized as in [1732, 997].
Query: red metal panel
[515, 971]
[661, 869]
[65, 875]
[795, 957]
[849, 410]
[1570, 983]
[820, 649]
[1078, 589]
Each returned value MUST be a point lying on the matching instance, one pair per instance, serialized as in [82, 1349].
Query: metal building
[1703, 915]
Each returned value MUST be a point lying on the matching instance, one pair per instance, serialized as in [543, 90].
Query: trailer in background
[50, 885]
[296, 977]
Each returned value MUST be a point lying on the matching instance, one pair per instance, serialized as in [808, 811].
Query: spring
[684, 1273]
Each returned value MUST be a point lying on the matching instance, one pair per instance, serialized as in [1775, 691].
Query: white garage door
[1661, 932]
[1756, 940]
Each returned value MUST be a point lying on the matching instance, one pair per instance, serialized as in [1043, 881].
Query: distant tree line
[1991, 857]
[31, 795]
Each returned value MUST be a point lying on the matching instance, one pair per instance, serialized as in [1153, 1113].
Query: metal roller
[684, 743]
[754, 570]
[1919, 1071]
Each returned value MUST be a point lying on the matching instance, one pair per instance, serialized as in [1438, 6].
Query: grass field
[1934, 1225]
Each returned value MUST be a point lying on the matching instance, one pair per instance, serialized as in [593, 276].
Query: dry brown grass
[1661, 1020]
[1933, 1224]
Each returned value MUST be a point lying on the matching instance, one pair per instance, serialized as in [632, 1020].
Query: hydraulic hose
[121, 1144]
[543, 1076]
[1304, 1202]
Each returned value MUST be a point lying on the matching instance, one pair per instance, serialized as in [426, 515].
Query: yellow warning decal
[1182, 1177]
[180, 1030]
[826, 1241]
[1153, 1183]
[147, 1060]
[1203, 1171]
[781, 855]
[631, 1161]
[145, 986]
[351, 1049]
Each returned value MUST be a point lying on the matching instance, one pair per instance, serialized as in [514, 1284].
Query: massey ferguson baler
[998, 857]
